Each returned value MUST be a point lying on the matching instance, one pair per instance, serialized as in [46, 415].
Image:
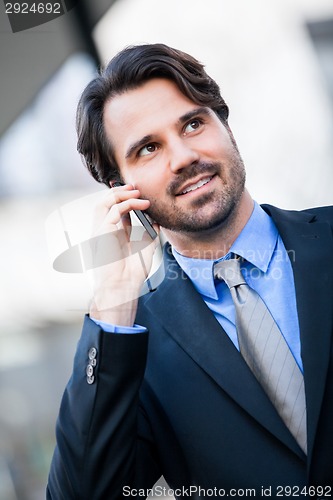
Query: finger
[113, 196]
[105, 214]
[122, 209]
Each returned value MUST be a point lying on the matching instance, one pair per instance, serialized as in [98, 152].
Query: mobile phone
[142, 217]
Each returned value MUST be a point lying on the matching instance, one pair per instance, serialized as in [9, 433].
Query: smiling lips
[197, 185]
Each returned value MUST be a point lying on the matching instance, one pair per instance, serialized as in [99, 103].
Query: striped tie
[266, 352]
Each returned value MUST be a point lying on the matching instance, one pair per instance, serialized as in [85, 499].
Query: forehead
[147, 110]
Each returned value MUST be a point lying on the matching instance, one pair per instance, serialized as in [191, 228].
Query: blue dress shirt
[267, 270]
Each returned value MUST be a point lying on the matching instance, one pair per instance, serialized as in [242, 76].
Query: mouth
[194, 186]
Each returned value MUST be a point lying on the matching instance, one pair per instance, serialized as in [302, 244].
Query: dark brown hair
[128, 70]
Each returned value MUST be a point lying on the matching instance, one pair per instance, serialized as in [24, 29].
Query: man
[162, 385]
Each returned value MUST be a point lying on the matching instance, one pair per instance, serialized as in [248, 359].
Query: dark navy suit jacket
[181, 402]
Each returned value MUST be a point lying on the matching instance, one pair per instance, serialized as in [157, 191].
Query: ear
[116, 180]
[116, 184]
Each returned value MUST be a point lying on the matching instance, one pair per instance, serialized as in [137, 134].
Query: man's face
[177, 153]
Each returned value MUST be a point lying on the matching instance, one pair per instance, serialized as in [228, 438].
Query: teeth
[197, 185]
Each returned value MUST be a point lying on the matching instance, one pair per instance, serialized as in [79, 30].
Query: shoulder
[314, 214]
[321, 213]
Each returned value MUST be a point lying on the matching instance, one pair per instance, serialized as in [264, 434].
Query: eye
[147, 150]
[192, 126]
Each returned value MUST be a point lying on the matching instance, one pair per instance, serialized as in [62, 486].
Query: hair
[130, 69]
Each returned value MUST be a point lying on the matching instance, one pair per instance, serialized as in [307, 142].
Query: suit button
[89, 371]
[91, 364]
[92, 353]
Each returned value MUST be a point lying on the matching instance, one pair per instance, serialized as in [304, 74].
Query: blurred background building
[274, 63]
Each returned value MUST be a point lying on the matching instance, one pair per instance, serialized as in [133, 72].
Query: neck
[215, 243]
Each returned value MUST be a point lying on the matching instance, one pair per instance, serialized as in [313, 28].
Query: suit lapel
[309, 245]
[181, 311]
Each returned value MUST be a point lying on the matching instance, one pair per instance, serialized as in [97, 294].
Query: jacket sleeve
[103, 437]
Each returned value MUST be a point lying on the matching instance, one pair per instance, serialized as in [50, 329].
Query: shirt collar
[255, 243]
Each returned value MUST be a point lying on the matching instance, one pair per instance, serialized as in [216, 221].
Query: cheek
[219, 143]
[150, 179]
[130, 175]
[151, 185]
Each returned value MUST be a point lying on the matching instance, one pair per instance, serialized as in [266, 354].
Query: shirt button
[90, 380]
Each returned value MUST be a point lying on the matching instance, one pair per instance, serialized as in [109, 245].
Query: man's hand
[121, 264]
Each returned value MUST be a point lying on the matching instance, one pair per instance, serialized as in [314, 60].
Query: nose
[181, 155]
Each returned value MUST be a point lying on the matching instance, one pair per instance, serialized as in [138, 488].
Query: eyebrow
[193, 113]
[137, 145]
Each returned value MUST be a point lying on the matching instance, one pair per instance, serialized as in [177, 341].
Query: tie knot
[230, 272]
